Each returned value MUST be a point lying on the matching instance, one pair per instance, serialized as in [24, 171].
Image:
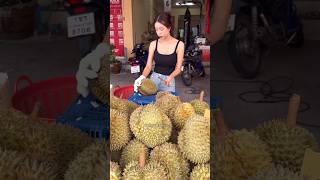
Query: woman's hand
[168, 80]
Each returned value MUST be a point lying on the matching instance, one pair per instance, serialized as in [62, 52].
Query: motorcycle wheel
[245, 52]
[186, 76]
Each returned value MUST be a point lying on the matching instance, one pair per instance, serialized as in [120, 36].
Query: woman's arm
[221, 13]
[180, 57]
[148, 67]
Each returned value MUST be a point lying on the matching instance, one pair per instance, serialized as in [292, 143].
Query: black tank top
[165, 64]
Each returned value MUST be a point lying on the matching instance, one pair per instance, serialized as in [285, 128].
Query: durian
[194, 139]
[91, 164]
[119, 130]
[199, 105]
[166, 102]
[131, 152]
[100, 86]
[115, 171]
[148, 87]
[150, 125]
[122, 105]
[14, 165]
[182, 113]
[277, 173]
[286, 141]
[238, 154]
[169, 156]
[138, 170]
[200, 172]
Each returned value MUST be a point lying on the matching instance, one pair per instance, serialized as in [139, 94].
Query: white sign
[167, 5]
[82, 24]
[135, 69]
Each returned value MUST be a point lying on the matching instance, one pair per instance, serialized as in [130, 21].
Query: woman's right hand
[138, 82]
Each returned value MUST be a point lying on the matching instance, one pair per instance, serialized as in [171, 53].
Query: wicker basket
[17, 22]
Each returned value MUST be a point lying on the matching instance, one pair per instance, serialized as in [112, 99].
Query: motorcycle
[139, 61]
[257, 26]
[192, 65]
[87, 22]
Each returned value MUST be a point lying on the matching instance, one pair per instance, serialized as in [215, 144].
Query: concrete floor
[302, 65]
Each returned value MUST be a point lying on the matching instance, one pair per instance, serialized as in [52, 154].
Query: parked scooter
[258, 25]
[139, 61]
[87, 22]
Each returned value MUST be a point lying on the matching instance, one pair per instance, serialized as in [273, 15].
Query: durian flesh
[150, 125]
[286, 145]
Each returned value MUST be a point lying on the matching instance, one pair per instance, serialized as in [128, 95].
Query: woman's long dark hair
[166, 20]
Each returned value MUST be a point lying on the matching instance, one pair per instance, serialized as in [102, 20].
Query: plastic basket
[126, 92]
[54, 95]
[89, 115]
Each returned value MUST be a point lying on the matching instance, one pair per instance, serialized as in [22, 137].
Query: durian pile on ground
[32, 150]
[274, 150]
[172, 137]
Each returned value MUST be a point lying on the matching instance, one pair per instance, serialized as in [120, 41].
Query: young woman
[167, 53]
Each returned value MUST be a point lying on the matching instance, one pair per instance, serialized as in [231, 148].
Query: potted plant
[115, 65]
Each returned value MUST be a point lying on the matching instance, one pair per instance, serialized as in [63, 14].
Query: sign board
[82, 24]
[167, 5]
[116, 27]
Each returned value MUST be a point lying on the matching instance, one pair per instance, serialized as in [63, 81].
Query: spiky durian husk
[239, 155]
[194, 139]
[150, 125]
[199, 106]
[123, 105]
[286, 145]
[132, 151]
[161, 93]
[41, 141]
[115, 172]
[100, 86]
[91, 164]
[148, 87]
[200, 172]
[277, 173]
[170, 157]
[119, 130]
[166, 102]
[14, 165]
[182, 113]
[151, 171]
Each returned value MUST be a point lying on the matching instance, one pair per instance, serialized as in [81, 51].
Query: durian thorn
[142, 158]
[293, 109]
[35, 112]
[201, 95]
[207, 113]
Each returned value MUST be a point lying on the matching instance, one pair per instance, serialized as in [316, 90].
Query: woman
[167, 52]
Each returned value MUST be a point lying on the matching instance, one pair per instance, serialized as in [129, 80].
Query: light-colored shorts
[160, 84]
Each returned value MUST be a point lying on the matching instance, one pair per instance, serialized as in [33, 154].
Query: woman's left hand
[168, 80]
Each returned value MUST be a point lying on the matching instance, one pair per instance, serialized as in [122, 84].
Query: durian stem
[293, 110]
[142, 158]
[35, 112]
[201, 95]
[222, 127]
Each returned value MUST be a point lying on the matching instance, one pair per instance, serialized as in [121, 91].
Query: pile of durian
[274, 150]
[168, 139]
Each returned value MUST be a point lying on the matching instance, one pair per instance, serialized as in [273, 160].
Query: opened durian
[131, 152]
[199, 105]
[148, 87]
[286, 141]
[194, 139]
[91, 164]
[119, 130]
[100, 86]
[150, 125]
[238, 154]
[166, 102]
[181, 114]
[200, 172]
[138, 170]
[169, 156]
[14, 165]
[277, 173]
[115, 171]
